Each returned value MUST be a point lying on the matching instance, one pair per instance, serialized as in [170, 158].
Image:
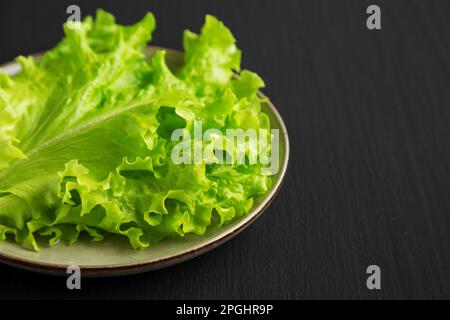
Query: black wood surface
[368, 114]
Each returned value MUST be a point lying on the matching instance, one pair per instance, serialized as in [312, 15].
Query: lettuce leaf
[85, 136]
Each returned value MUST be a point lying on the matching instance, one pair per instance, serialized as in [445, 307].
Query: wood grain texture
[368, 114]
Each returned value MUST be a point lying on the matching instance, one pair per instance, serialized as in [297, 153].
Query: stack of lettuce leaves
[85, 136]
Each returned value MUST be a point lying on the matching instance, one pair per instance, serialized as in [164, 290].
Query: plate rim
[172, 259]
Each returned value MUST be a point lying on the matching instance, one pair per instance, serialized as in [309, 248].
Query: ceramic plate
[114, 256]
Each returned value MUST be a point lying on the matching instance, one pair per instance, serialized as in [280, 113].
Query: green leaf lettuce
[85, 136]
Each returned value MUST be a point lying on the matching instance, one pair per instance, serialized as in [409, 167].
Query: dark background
[368, 114]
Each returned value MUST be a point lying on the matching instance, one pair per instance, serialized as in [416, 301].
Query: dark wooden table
[368, 114]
